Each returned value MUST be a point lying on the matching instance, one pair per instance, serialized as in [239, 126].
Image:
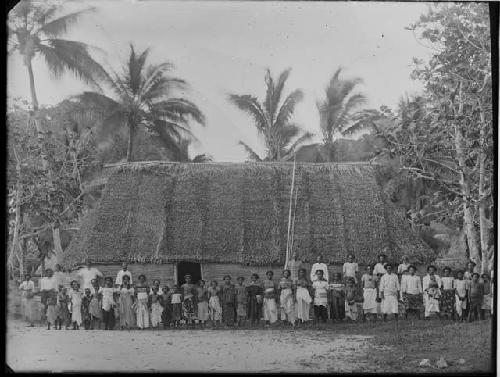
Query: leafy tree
[272, 118]
[142, 96]
[445, 137]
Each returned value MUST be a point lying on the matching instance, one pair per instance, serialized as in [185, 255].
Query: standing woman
[287, 303]
[303, 296]
[370, 293]
[405, 265]
[125, 303]
[431, 283]
[447, 300]
[95, 306]
[188, 300]
[108, 304]
[254, 295]
[141, 303]
[228, 295]
[214, 308]
[27, 288]
[269, 305]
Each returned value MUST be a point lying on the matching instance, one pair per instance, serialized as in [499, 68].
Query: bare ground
[370, 347]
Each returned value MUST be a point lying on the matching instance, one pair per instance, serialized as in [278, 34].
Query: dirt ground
[338, 348]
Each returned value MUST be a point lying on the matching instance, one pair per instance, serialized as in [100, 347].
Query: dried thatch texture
[238, 213]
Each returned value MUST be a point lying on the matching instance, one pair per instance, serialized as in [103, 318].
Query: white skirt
[370, 300]
[390, 304]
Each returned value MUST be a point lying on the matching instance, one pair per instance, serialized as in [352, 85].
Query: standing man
[379, 268]
[48, 289]
[389, 292]
[124, 271]
[87, 274]
[350, 269]
[319, 265]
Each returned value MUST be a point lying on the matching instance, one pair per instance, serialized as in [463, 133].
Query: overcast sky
[225, 47]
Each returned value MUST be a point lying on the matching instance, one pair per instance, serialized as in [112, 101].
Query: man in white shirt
[319, 265]
[124, 271]
[411, 291]
[350, 268]
[389, 292]
[47, 284]
[86, 274]
[379, 269]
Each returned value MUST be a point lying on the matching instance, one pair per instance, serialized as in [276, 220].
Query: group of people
[296, 299]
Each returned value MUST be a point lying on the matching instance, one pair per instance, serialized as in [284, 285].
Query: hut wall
[162, 272]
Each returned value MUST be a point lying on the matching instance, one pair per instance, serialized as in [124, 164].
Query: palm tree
[142, 96]
[339, 111]
[272, 120]
[35, 29]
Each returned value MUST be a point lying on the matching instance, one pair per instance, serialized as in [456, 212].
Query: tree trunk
[484, 223]
[470, 231]
[15, 237]
[56, 236]
[130, 140]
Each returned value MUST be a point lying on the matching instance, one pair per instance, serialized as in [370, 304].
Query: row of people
[139, 305]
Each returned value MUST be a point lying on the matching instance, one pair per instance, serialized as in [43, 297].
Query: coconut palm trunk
[15, 239]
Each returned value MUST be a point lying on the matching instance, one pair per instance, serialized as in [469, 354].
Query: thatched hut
[211, 219]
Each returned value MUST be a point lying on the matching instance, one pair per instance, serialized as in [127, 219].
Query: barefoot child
[86, 316]
[336, 297]
[156, 308]
[269, 305]
[287, 301]
[176, 306]
[126, 303]
[370, 294]
[141, 303]
[27, 288]
[241, 301]
[351, 309]
[303, 297]
[76, 305]
[95, 307]
[188, 300]
[63, 314]
[202, 299]
[431, 286]
[167, 307]
[108, 304]
[320, 287]
[254, 293]
[214, 307]
[476, 292]
[461, 289]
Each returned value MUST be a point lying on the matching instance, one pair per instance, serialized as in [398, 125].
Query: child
[337, 298]
[411, 292]
[75, 296]
[176, 305]
[241, 301]
[95, 307]
[27, 288]
[320, 287]
[447, 300]
[287, 302]
[269, 304]
[389, 292]
[431, 285]
[202, 299]
[166, 316]
[141, 303]
[228, 298]
[370, 293]
[63, 315]
[351, 309]
[214, 308]
[486, 306]
[303, 296]
[52, 309]
[188, 300]
[476, 292]
[156, 308]
[350, 269]
[108, 304]
[86, 316]
[126, 303]
[469, 271]
[254, 293]
[461, 288]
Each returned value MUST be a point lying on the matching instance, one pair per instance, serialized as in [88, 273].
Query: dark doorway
[191, 268]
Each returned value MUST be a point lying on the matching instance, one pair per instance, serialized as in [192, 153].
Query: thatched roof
[229, 212]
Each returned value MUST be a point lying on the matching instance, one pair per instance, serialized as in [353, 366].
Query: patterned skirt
[412, 302]
[447, 301]
[228, 313]
[188, 308]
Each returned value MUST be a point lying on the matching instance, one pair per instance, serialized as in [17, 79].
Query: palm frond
[136, 64]
[268, 79]
[175, 107]
[63, 55]
[349, 109]
[251, 106]
[200, 158]
[60, 25]
[301, 140]
[252, 155]
[277, 92]
[288, 107]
